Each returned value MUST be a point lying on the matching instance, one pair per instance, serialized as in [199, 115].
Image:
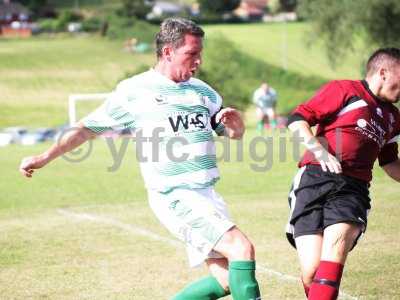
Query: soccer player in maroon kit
[357, 123]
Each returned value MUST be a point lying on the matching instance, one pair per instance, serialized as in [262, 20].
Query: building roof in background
[10, 9]
[256, 3]
[251, 8]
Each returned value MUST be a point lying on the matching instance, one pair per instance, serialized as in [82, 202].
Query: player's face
[391, 84]
[186, 59]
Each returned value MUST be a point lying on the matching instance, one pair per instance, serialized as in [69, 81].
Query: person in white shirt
[265, 98]
[178, 114]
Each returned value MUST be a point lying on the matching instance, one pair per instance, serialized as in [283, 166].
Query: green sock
[207, 288]
[260, 126]
[242, 281]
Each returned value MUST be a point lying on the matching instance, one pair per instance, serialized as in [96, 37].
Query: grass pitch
[78, 231]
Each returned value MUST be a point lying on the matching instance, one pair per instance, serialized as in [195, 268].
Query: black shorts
[319, 199]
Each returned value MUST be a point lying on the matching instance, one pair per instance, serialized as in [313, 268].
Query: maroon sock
[306, 289]
[326, 281]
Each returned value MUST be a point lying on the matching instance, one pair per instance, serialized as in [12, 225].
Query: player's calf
[326, 282]
[218, 268]
[309, 252]
[337, 242]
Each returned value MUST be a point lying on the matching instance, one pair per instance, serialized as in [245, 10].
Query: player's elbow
[393, 170]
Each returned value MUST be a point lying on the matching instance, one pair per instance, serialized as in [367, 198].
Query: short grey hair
[173, 30]
[382, 56]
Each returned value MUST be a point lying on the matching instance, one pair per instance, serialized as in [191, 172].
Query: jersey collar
[366, 86]
[166, 79]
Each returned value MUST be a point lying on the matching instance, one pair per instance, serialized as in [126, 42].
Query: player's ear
[382, 73]
[167, 52]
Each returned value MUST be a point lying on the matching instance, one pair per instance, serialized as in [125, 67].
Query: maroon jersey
[354, 125]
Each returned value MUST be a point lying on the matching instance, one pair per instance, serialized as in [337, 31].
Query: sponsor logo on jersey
[161, 99]
[372, 130]
[191, 122]
[379, 112]
[391, 118]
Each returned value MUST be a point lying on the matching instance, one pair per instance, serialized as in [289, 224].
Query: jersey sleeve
[390, 152]
[218, 127]
[325, 104]
[214, 104]
[213, 101]
[112, 114]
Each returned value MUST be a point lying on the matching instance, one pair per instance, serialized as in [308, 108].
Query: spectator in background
[265, 98]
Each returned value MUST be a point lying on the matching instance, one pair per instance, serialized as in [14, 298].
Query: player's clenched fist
[29, 164]
[233, 122]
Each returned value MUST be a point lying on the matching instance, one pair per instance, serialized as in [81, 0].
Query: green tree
[341, 23]
[35, 6]
[135, 8]
[218, 6]
[287, 5]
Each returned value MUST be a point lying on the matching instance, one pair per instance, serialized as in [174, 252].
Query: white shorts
[267, 111]
[198, 217]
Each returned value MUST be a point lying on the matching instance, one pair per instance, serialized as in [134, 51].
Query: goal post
[74, 98]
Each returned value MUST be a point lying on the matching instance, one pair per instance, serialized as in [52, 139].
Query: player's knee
[242, 249]
[307, 277]
[234, 245]
[308, 271]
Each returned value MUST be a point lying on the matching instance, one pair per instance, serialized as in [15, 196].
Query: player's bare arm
[233, 122]
[393, 169]
[68, 142]
[326, 160]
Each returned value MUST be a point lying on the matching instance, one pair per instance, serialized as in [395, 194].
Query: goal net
[73, 100]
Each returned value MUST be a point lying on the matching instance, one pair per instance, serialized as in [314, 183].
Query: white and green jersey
[180, 113]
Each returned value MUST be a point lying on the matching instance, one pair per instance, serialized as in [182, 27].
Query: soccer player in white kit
[176, 114]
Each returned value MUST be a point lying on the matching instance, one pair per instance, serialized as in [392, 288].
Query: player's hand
[233, 122]
[328, 161]
[29, 164]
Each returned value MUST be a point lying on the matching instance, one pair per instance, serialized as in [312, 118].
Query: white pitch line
[115, 223]
[148, 234]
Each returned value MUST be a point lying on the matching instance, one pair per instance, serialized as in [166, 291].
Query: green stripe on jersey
[122, 117]
[172, 109]
[95, 127]
[192, 186]
[190, 138]
[184, 89]
[206, 92]
[204, 162]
